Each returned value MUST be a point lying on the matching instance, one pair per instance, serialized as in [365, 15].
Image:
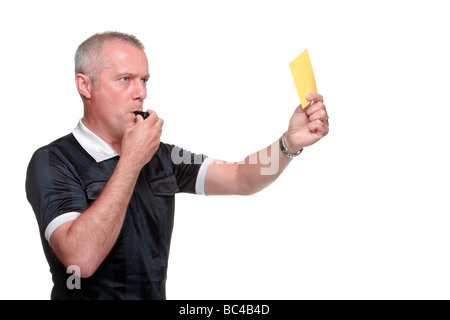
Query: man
[104, 195]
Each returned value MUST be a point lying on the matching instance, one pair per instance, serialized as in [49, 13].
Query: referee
[104, 195]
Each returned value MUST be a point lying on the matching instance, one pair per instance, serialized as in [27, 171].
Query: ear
[84, 85]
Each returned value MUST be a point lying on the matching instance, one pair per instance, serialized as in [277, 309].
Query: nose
[140, 91]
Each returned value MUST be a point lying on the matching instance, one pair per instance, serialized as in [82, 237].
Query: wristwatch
[285, 150]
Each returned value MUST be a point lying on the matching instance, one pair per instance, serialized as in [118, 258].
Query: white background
[360, 215]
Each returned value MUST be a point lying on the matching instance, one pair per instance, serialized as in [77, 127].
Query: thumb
[299, 109]
[139, 119]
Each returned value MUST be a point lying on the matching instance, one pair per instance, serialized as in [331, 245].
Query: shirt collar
[94, 145]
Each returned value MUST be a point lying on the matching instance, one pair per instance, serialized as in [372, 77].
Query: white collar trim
[94, 145]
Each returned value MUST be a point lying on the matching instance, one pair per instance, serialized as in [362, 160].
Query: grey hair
[88, 55]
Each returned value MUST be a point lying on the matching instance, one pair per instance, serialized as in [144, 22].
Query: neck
[98, 129]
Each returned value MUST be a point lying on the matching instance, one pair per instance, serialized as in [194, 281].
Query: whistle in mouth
[144, 114]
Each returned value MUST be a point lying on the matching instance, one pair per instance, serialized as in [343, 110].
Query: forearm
[88, 239]
[260, 169]
[246, 177]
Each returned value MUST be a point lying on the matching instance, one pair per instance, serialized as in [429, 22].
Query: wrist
[287, 142]
[287, 149]
[129, 166]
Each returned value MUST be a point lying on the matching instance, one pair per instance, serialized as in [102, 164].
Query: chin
[130, 121]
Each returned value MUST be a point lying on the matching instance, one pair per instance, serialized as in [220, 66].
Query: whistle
[144, 114]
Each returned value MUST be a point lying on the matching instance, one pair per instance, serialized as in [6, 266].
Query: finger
[320, 114]
[152, 118]
[319, 127]
[158, 126]
[314, 96]
[316, 106]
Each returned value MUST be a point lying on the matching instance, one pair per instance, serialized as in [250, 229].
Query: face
[121, 89]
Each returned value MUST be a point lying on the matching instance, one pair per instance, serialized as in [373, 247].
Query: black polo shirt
[65, 177]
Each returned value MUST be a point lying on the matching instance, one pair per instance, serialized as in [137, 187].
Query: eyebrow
[130, 74]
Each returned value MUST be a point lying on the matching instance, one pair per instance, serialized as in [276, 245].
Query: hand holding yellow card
[303, 74]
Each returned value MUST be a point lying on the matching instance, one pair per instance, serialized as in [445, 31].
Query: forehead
[122, 57]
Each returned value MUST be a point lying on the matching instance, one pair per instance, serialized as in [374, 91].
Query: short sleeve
[189, 168]
[53, 190]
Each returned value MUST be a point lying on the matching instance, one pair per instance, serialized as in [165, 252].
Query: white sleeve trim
[201, 176]
[59, 220]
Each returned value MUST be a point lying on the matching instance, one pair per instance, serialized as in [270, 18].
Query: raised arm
[86, 241]
[259, 170]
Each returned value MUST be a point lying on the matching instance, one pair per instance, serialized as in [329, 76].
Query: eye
[124, 79]
[144, 81]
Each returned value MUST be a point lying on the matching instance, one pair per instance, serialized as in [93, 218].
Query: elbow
[247, 184]
[247, 189]
[87, 271]
[80, 270]
[246, 192]
[80, 267]
[77, 258]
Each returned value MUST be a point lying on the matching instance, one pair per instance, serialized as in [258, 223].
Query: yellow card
[303, 74]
